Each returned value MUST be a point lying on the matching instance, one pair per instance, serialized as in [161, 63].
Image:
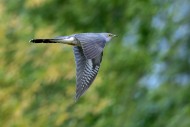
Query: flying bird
[88, 51]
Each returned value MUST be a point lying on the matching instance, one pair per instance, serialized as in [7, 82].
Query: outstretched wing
[92, 44]
[86, 70]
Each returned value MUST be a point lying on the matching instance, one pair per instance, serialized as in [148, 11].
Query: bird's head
[108, 36]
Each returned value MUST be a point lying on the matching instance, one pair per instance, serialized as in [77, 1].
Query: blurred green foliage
[144, 79]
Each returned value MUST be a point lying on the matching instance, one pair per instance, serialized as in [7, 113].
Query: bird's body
[88, 51]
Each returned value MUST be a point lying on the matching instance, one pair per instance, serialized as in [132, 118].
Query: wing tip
[77, 97]
[79, 93]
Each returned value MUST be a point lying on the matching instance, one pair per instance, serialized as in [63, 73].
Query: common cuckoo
[88, 51]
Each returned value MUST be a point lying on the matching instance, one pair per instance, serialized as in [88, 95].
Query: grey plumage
[88, 51]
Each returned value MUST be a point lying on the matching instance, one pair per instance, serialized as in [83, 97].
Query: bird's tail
[45, 41]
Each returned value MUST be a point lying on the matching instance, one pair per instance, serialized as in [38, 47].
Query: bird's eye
[109, 35]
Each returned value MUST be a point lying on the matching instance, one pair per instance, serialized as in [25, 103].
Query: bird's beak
[115, 36]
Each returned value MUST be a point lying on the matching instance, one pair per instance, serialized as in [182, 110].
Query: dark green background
[144, 79]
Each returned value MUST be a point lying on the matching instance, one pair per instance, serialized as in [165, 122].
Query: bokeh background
[144, 79]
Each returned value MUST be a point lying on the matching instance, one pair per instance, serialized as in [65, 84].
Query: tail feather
[45, 41]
